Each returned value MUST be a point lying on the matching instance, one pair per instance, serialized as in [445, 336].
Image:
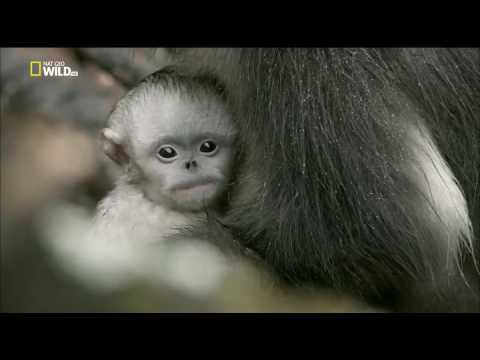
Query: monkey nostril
[190, 164]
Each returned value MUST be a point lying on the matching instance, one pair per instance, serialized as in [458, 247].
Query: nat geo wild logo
[51, 69]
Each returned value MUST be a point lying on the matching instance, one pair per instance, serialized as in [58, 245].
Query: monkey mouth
[192, 184]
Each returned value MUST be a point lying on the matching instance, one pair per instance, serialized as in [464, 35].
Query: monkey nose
[190, 164]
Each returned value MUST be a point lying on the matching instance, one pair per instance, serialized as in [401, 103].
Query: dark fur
[334, 208]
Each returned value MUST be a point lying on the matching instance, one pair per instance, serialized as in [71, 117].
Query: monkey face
[184, 148]
[188, 177]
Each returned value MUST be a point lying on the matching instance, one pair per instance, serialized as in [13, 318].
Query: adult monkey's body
[362, 168]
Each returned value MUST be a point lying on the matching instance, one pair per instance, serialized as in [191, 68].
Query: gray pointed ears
[113, 146]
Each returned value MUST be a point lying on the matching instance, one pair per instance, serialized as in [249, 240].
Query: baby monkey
[174, 139]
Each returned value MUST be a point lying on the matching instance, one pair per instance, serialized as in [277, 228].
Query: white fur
[445, 202]
[126, 217]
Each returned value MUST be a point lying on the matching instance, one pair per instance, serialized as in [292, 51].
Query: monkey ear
[113, 146]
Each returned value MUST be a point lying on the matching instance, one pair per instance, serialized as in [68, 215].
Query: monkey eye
[167, 152]
[208, 147]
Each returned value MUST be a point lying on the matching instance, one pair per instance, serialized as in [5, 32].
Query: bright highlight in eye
[167, 152]
[208, 147]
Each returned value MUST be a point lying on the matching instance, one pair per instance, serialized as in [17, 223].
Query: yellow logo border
[39, 73]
